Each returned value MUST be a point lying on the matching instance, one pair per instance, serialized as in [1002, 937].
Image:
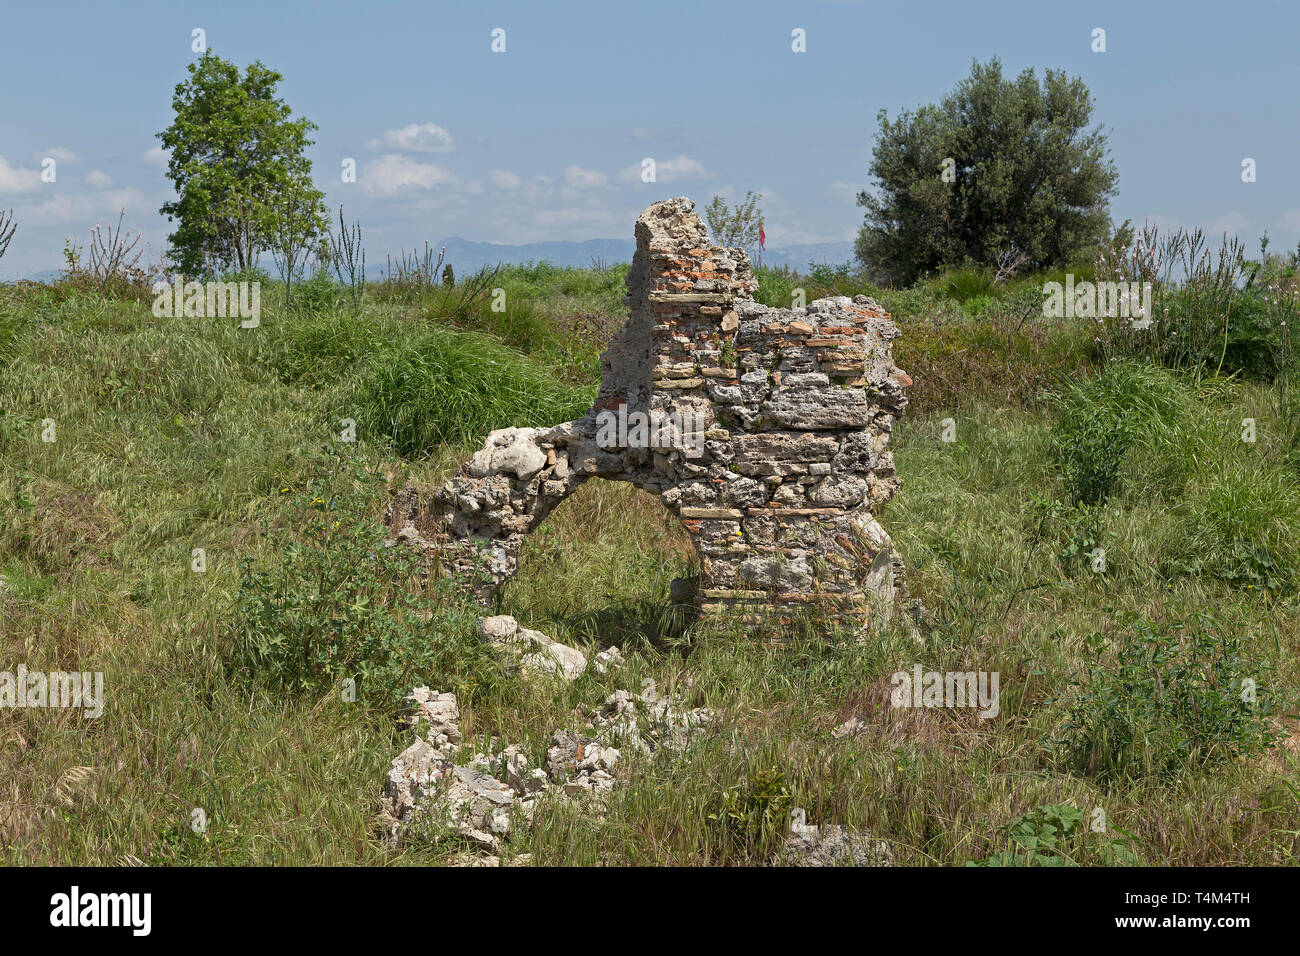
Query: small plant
[409, 275]
[735, 226]
[7, 229]
[753, 814]
[1176, 697]
[349, 259]
[1091, 439]
[448, 276]
[1099, 420]
[1041, 837]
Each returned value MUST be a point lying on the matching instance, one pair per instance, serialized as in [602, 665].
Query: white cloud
[504, 179]
[1232, 223]
[16, 179]
[667, 170]
[98, 179]
[84, 209]
[155, 156]
[580, 178]
[61, 153]
[419, 137]
[391, 173]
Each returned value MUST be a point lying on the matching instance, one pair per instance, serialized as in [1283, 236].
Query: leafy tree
[1000, 165]
[235, 150]
[735, 226]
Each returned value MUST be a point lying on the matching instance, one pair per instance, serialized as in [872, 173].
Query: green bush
[337, 605]
[753, 813]
[1099, 420]
[1175, 698]
[966, 284]
[455, 387]
[776, 287]
[1042, 837]
[320, 293]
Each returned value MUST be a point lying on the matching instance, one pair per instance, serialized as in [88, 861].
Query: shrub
[1175, 697]
[1099, 420]
[753, 813]
[776, 287]
[337, 604]
[995, 358]
[967, 284]
[1226, 314]
[320, 293]
[455, 387]
[1041, 837]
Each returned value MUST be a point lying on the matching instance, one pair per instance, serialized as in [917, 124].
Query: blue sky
[545, 140]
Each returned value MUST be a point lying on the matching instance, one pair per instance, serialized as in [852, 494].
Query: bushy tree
[235, 152]
[998, 165]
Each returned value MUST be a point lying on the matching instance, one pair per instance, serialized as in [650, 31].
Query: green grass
[178, 434]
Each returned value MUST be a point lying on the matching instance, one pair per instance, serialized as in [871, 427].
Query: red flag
[762, 238]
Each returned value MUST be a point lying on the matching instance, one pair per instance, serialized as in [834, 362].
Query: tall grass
[455, 387]
[184, 434]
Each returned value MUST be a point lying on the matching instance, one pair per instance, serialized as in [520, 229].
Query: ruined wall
[768, 437]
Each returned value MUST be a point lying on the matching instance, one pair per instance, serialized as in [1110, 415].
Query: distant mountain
[465, 255]
[45, 275]
[821, 253]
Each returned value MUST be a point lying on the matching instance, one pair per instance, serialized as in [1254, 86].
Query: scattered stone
[607, 661]
[440, 714]
[850, 728]
[829, 845]
[580, 764]
[532, 651]
[647, 722]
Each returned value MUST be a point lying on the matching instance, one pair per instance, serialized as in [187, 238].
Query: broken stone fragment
[532, 651]
[607, 661]
[829, 845]
[511, 450]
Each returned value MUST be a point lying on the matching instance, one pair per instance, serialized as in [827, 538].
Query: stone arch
[763, 430]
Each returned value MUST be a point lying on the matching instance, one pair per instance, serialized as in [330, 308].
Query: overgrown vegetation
[335, 611]
[1121, 678]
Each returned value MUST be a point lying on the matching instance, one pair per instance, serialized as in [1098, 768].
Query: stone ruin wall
[776, 457]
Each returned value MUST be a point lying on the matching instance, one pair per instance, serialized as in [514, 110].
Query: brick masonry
[779, 482]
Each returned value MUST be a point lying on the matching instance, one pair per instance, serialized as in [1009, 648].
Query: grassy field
[1120, 686]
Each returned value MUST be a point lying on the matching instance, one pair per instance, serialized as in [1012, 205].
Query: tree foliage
[236, 151]
[998, 165]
